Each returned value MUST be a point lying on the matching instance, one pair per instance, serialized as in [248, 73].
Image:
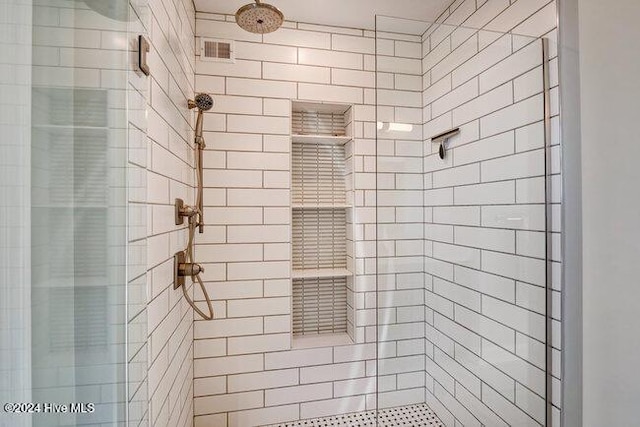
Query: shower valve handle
[190, 269]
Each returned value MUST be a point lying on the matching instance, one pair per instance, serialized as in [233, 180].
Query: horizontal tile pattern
[485, 214]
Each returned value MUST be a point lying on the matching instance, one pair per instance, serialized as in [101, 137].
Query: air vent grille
[217, 50]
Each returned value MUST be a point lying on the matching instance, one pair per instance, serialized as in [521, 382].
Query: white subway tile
[520, 114]
[506, 409]
[483, 105]
[520, 319]
[209, 386]
[523, 165]
[265, 197]
[224, 30]
[408, 49]
[457, 176]
[519, 217]
[457, 97]
[228, 141]
[486, 327]
[456, 408]
[436, 90]
[218, 328]
[239, 68]
[459, 56]
[531, 243]
[439, 304]
[328, 58]
[485, 194]
[352, 78]
[531, 297]
[497, 146]
[322, 408]
[227, 402]
[258, 344]
[299, 38]
[266, 88]
[352, 43]
[458, 215]
[485, 238]
[330, 93]
[354, 387]
[486, 372]
[298, 358]
[227, 365]
[392, 64]
[336, 371]
[258, 124]
[297, 394]
[486, 416]
[529, 84]
[460, 334]
[296, 73]
[486, 58]
[230, 215]
[458, 294]
[252, 417]
[351, 353]
[258, 307]
[232, 178]
[440, 375]
[436, 55]
[236, 105]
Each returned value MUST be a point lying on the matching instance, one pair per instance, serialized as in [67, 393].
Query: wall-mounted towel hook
[442, 139]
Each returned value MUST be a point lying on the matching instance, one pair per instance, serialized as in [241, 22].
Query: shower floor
[415, 416]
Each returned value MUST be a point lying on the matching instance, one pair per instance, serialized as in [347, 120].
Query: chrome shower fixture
[259, 18]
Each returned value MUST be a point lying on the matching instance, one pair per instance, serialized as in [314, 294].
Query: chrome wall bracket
[183, 211]
[442, 139]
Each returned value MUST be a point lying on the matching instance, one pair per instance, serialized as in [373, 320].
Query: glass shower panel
[64, 145]
[461, 223]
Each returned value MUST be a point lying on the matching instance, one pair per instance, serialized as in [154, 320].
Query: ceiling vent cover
[217, 50]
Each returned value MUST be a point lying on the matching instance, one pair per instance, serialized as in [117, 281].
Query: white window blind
[320, 305]
[318, 174]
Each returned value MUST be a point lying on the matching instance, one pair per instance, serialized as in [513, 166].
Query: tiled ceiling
[344, 13]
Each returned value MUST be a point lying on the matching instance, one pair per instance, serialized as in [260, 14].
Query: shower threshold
[419, 415]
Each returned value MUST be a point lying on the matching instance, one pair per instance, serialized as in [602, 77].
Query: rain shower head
[259, 18]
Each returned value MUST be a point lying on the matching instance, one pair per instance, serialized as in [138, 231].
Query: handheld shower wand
[184, 264]
[203, 102]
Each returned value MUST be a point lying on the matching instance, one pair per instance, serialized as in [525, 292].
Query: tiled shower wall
[485, 215]
[246, 372]
[160, 170]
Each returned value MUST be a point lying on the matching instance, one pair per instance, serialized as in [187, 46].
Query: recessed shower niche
[321, 221]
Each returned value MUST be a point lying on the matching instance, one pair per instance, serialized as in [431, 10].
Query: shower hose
[193, 224]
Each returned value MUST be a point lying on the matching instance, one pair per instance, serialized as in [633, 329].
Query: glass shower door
[64, 212]
[462, 225]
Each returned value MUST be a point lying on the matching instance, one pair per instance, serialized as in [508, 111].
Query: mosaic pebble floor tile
[410, 416]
